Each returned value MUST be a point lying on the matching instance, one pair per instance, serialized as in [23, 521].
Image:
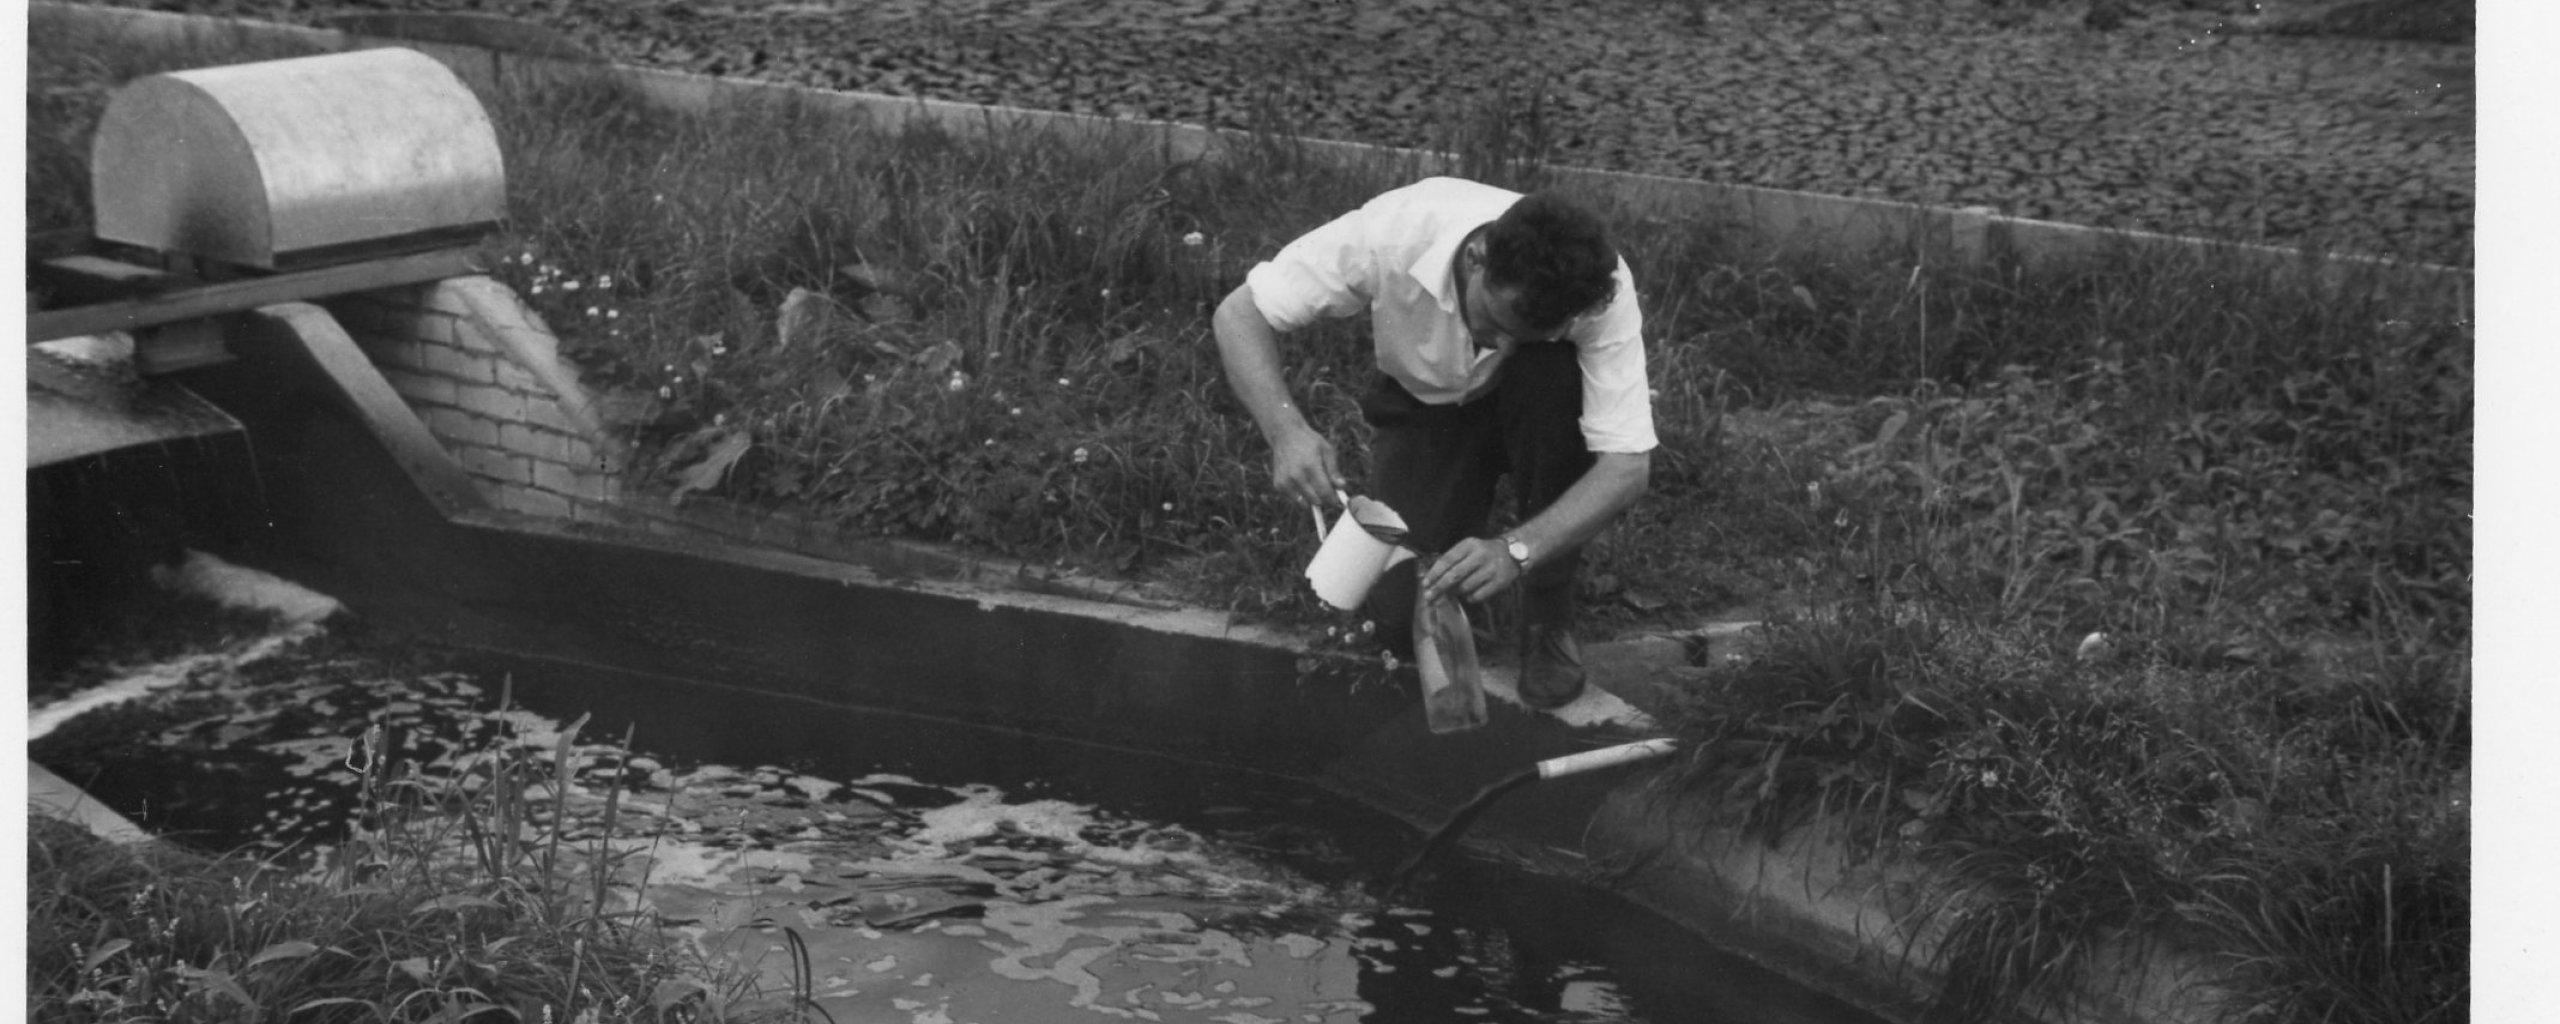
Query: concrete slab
[77, 407]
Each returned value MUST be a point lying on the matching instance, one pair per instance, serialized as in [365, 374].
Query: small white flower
[569, 285]
[1062, 382]
[1168, 506]
[604, 281]
[593, 311]
[537, 288]
[666, 392]
[1194, 238]
[1017, 410]
[1106, 293]
[719, 419]
[959, 381]
[1081, 455]
[613, 314]
[2093, 647]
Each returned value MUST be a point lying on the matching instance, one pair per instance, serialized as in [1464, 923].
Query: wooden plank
[247, 294]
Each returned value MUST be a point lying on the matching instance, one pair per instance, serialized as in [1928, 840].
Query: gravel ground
[2198, 117]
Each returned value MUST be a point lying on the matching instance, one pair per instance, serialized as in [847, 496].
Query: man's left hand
[1475, 569]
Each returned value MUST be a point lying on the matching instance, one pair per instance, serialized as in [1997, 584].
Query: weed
[454, 897]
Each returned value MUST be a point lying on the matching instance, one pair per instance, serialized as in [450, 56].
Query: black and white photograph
[1283, 511]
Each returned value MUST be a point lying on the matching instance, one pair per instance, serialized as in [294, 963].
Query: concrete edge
[51, 795]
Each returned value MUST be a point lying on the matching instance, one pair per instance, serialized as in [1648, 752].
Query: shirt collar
[1437, 267]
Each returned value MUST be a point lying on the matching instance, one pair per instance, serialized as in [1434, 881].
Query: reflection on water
[933, 873]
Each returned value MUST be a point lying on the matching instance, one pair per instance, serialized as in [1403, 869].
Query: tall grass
[2254, 480]
[459, 892]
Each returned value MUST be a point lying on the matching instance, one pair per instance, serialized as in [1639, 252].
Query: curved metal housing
[294, 162]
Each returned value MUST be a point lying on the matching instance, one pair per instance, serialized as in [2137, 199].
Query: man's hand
[1475, 569]
[1303, 467]
[1302, 460]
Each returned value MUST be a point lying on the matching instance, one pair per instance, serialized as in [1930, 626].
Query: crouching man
[1507, 341]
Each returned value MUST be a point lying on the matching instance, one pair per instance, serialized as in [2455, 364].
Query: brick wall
[484, 374]
[486, 377]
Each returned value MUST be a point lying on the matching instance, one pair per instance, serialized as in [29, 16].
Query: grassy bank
[1942, 481]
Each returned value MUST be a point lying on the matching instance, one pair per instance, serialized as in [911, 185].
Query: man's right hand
[1303, 467]
[1302, 461]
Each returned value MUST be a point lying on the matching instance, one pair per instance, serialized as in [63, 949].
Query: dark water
[1166, 890]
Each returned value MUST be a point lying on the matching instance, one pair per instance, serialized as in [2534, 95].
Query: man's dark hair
[1556, 254]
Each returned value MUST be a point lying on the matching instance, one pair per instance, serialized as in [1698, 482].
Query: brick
[495, 464]
[444, 297]
[385, 348]
[422, 387]
[435, 329]
[496, 403]
[548, 445]
[552, 476]
[517, 378]
[597, 512]
[585, 485]
[456, 426]
[406, 353]
[533, 502]
[459, 364]
[550, 415]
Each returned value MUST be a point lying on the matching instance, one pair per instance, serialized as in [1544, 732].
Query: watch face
[1519, 552]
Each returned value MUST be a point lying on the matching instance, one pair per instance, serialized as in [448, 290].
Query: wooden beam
[249, 293]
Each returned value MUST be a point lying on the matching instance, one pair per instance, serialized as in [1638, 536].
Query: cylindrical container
[1349, 563]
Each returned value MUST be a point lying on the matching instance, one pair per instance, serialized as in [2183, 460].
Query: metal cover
[258, 164]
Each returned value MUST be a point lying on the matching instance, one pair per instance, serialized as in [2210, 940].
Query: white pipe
[1557, 767]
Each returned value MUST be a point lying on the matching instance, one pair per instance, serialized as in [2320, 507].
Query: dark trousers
[1436, 465]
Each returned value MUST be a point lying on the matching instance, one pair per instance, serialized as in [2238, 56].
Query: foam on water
[237, 586]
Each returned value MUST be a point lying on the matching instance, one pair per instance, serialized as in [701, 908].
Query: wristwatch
[1519, 551]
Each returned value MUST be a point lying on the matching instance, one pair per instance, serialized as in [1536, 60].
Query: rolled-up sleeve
[1323, 274]
[1617, 398]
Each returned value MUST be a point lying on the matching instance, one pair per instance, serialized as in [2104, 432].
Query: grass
[458, 894]
[2254, 482]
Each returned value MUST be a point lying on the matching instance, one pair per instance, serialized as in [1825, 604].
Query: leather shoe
[1551, 674]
